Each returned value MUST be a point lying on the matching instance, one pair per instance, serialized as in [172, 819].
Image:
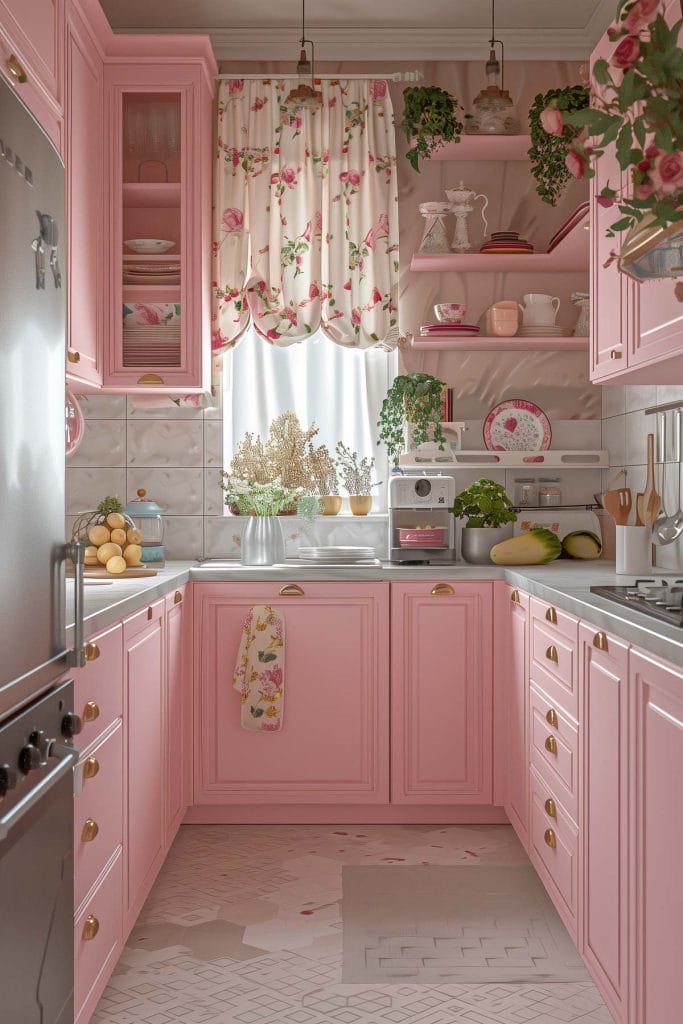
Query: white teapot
[462, 200]
[539, 310]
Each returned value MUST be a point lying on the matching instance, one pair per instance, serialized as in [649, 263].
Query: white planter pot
[262, 541]
[478, 541]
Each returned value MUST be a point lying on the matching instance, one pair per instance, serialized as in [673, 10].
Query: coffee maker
[421, 525]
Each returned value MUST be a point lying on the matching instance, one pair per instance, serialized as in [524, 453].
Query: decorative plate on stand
[517, 426]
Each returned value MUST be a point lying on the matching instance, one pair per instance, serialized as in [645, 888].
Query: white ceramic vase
[262, 541]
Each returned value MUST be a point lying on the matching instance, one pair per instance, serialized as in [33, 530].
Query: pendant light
[305, 95]
[492, 112]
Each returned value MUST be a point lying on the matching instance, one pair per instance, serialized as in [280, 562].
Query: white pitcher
[539, 310]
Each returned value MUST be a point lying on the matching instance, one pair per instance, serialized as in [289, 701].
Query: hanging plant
[412, 398]
[551, 138]
[430, 118]
[637, 98]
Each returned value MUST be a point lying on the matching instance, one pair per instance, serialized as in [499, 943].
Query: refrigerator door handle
[76, 551]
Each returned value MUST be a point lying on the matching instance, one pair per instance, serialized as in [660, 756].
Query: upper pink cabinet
[31, 58]
[158, 125]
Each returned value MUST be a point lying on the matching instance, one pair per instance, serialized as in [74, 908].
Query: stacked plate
[151, 346]
[337, 555]
[151, 273]
[434, 330]
[539, 331]
[506, 242]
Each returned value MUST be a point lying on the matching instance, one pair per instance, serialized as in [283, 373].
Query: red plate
[517, 426]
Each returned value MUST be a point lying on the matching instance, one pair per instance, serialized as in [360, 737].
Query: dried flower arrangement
[356, 473]
[323, 470]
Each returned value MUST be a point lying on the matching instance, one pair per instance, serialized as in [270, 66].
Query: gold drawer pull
[90, 768]
[550, 808]
[92, 652]
[551, 616]
[615, 354]
[551, 718]
[91, 927]
[551, 744]
[550, 838]
[551, 654]
[73, 356]
[600, 641]
[90, 830]
[442, 590]
[91, 711]
[291, 590]
[15, 69]
[177, 597]
[150, 378]
[514, 597]
[149, 614]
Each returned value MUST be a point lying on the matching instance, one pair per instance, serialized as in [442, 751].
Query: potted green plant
[356, 475]
[489, 515]
[430, 118]
[262, 539]
[413, 398]
[552, 137]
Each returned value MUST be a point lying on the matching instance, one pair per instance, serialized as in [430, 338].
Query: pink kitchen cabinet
[656, 766]
[333, 747]
[514, 695]
[177, 707]
[605, 824]
[32, 58]
[441, 693]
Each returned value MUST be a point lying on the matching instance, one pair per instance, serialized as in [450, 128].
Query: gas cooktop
[659, 598]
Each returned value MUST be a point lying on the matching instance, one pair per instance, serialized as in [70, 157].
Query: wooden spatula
[651, 499]
[618, 504]
[639, 509]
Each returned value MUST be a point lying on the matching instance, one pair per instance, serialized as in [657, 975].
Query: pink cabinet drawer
[556, 655]
[139, 621]
[555, 748]
[554, 849]
[561, 624]
[98, 812]
[99, 686]
[98, 936]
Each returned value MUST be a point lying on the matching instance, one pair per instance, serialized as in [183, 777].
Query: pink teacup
[450, 312]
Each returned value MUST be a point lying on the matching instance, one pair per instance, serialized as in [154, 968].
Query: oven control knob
[8, 778]
[29, 758]
[39, 740]
[71, 725]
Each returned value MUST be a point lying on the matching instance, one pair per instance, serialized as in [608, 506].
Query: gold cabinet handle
[551, 718]
[551, 744]
[551, 616]
[73, 356]
[91, 926]
[600, 641]
[291, 590]
[150, 378]
[90, 768]
[550, 808]
[550, 838]
[177, 597]
[551, 654]
[150, 613]
[442, 590]
[92, 652]
[91, 711]
[90, 830]
[15, 69]
[615, 354]
[514, 597]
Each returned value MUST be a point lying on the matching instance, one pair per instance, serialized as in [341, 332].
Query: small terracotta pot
[331, 504]
[360, 504]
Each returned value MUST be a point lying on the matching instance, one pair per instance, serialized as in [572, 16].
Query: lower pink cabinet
[514, 694]
[177, 708]
[333, 747]
[441, 693]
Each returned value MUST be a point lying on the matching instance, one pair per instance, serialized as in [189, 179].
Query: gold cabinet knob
[551, 744]
[91, 651]
[177, 597]
[600, 641]
[615, 353]
[90, 768]
[442, 590]
[551, 616]
[150, 613]
[150, 378]
[91, 926]
[550, 838]
[291, 590]
[73, 356]
[90, 830]
[551, 654]
[16, 70]
[551, 718]
[91, 711]
[514, 597]
[550, 808]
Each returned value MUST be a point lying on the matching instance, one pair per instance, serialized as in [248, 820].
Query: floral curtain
[305, 215]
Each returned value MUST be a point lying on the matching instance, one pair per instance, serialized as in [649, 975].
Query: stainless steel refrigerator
[37, 722]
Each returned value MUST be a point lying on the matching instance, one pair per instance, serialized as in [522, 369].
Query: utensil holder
[634, 550]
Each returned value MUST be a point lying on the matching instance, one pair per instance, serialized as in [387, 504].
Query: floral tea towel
[260, 670]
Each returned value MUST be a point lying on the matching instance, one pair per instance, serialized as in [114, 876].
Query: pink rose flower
[576, 164]
[626, 53]
[667, 174]
[369, 239]
[288, 175]
[318, 222]
[326, 156]
[354, 177]
[355, 316]
[148, 315]
[296, 122]
[272, 334]
[343, 175]
[307, 232]
[651, 151]
[235, 86]
[233, 218]
[383, 224]
[347, 286]
[193, 400]
[235, 158]
[551, 121]
[376, 296]
[378, 89]
[313, 291]
[274, 178]
[641, 14]
[605, 201]
[644, 190]
[258, 104]
[217, 340]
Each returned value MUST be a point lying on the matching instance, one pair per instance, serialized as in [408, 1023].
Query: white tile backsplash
[638, 425]
[183, 536]
[159, 443]
[179, 491]
[213, 494]
[213, 443]
[103, 444]
[103, 407]
[85, 487]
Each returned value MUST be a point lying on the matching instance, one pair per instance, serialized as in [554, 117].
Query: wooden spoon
[618, 504]
[651, 499]
[639, 509]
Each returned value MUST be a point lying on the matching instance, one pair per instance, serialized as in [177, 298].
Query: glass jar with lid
[549, 491]
[148, 516]
[526, 492]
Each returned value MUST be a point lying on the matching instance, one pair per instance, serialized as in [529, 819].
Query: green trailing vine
[430, 118]
[412, 398]
[549, 150]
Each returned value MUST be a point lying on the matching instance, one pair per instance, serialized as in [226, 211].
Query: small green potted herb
[413, 398]
[430, 118]
[489, 515]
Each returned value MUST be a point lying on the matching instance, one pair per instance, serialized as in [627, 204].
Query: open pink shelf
[570, 255]
[479, 343]
[143, 194]
[485, 147]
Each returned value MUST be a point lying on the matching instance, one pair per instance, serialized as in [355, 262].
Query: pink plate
[517, 426]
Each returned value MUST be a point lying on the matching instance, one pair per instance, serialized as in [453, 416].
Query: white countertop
[563, 583]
